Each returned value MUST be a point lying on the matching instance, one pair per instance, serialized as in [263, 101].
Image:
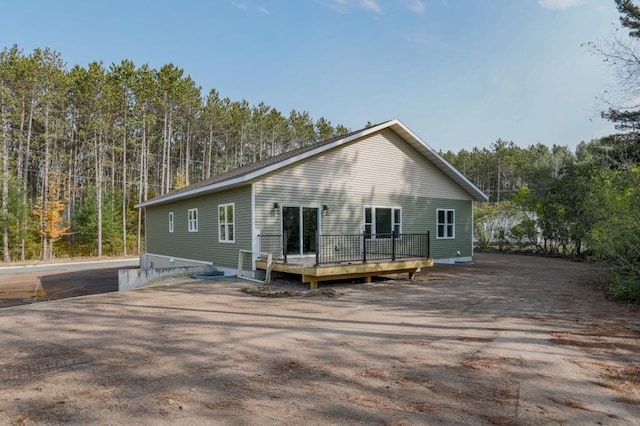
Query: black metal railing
[339, 248]
[355, 248]
[276, 244]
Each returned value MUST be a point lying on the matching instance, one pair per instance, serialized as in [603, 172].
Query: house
[382, 182]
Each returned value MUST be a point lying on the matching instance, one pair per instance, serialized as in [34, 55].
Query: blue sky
[459, 73]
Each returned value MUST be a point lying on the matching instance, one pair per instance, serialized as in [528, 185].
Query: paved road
[70, 266]
[20, 285]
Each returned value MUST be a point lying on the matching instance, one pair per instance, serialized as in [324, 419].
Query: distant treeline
[554, 201]
[80, 146]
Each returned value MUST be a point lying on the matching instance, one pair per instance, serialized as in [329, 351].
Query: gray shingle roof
[245, 174]
[252, 167]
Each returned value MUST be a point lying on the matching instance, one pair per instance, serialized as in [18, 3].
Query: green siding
[346, 214]
[202, 245]
[445, 248]
[381, 163]
[380, 170]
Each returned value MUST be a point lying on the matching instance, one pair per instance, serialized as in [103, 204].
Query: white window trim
[373, 218]
[438, 237]
[171, 222]
[192, 222]
[226, 224]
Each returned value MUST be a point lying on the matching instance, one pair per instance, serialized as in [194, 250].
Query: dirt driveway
[509, 340]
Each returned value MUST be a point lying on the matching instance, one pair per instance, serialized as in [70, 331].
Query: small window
[226, 217]
[170, 221]
[382, 221]
[446, 223]
[193, 220]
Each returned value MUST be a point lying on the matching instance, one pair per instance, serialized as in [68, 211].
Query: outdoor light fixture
[325, 210]
[275, 209]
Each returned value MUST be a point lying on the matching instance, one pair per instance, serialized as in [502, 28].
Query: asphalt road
[69, 266]
[21, 285]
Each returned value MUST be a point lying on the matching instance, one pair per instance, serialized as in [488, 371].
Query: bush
[624, 287]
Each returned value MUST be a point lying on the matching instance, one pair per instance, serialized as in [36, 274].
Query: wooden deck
[314, 274]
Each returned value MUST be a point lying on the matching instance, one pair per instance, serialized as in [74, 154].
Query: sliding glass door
[300, 224]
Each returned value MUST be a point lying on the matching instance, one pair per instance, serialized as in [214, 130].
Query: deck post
[428, 244]
[284, 246]
[317, 248]
[364, 247]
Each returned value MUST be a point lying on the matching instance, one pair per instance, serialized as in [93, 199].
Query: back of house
[377, 181]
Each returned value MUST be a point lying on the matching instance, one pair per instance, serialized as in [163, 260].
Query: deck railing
[354, 248]
[276, 244]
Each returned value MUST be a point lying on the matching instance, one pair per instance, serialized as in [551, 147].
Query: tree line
[582, 203]
[80, 146]
[558, 202]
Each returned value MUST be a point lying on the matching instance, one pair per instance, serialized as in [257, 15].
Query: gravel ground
[508, 340]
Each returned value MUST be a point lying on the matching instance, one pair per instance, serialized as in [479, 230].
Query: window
[226, 216]
[446, 223]
[170, 221]
[193, 220]
[382, 220]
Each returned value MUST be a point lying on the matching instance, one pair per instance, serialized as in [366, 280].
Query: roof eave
[228, 184]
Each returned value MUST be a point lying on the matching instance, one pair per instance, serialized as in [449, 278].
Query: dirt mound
[266, 291]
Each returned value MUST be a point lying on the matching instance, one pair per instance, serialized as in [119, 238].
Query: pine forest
[80, 146]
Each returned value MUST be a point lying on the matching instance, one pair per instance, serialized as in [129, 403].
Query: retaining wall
[129, 279]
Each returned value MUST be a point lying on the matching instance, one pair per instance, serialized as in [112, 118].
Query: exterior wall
[202, 245]
[381, 171]
[129, 279]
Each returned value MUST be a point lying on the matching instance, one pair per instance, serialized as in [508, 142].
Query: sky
[459, 73]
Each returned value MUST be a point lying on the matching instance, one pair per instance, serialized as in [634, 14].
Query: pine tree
[630, 16]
